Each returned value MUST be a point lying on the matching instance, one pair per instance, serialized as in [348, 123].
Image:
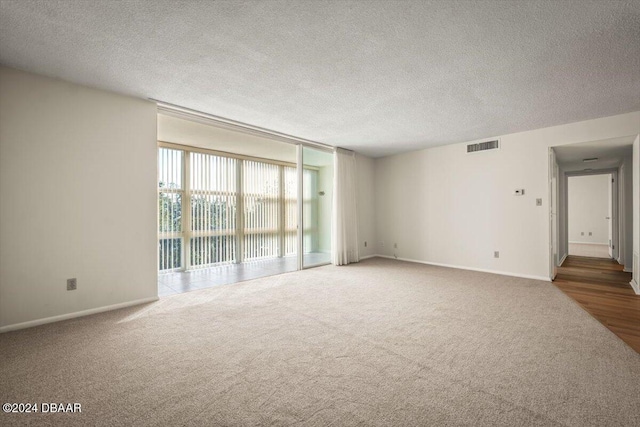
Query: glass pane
[213, 213]
[209, 250]
[170, 254]
[261, 194]
[213, 184]
[317, 193]
[170, 168]
[212, 173]
[169, 212]
[290, 211]
[310, 198]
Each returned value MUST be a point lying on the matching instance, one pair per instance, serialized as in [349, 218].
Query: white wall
[193, 133]
[636, 215]
[366, 205]
[78, 192]
[588, 208]
[442, 205]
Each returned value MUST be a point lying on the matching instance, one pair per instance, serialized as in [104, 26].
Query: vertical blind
[214, 209]
[261, 193]
[170, 197]
[213, 194]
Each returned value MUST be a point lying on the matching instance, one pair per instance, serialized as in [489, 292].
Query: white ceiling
[376, 76]
[609, 152]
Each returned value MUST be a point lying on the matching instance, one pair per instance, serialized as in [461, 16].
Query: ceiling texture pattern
[378, 77]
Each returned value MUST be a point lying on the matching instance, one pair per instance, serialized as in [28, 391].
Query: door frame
[614, 208]
[554, 171]
[300, 171]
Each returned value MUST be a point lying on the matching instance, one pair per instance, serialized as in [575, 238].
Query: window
[261, 200]
[170, 197]
[213, 196]
[217, 208]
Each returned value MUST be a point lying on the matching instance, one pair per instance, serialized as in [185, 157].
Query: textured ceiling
[377, 77]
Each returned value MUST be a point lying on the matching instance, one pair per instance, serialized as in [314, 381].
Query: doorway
[591, 215]
[316, 208]
[592, 237]
[608, 160]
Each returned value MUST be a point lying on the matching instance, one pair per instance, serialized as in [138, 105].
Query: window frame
[283, 229]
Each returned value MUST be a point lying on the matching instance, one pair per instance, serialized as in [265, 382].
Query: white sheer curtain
[344, 227]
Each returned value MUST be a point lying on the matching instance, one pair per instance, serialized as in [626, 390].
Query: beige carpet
[382, 342]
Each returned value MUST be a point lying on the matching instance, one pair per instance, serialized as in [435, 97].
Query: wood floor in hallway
[602, 288]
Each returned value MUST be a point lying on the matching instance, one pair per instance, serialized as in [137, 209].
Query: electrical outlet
[365, 243]
[590, 233]
[538, 202]
[72, 284]
[496, 254]
[582, 233]
[395, 246]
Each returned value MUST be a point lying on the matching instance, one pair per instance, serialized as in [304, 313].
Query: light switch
[538, 202]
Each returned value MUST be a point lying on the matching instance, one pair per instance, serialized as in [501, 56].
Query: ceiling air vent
[482, 146]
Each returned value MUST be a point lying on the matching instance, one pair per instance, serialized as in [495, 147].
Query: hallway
[601, 287]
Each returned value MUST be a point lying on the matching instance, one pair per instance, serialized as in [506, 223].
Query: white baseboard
[590, 243]
[628, 269]
[635, 286]
[368, 256]
[562, 260]
[460, 267]
[37, 322]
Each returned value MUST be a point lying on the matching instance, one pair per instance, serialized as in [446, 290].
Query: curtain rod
[236, 125]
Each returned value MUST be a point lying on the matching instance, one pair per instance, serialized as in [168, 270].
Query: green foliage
[216, 214]
[169, 212]
[212, 214]
[170, 251]
[212, 250]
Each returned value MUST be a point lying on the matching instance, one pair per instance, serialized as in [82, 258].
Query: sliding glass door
[316, 210]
